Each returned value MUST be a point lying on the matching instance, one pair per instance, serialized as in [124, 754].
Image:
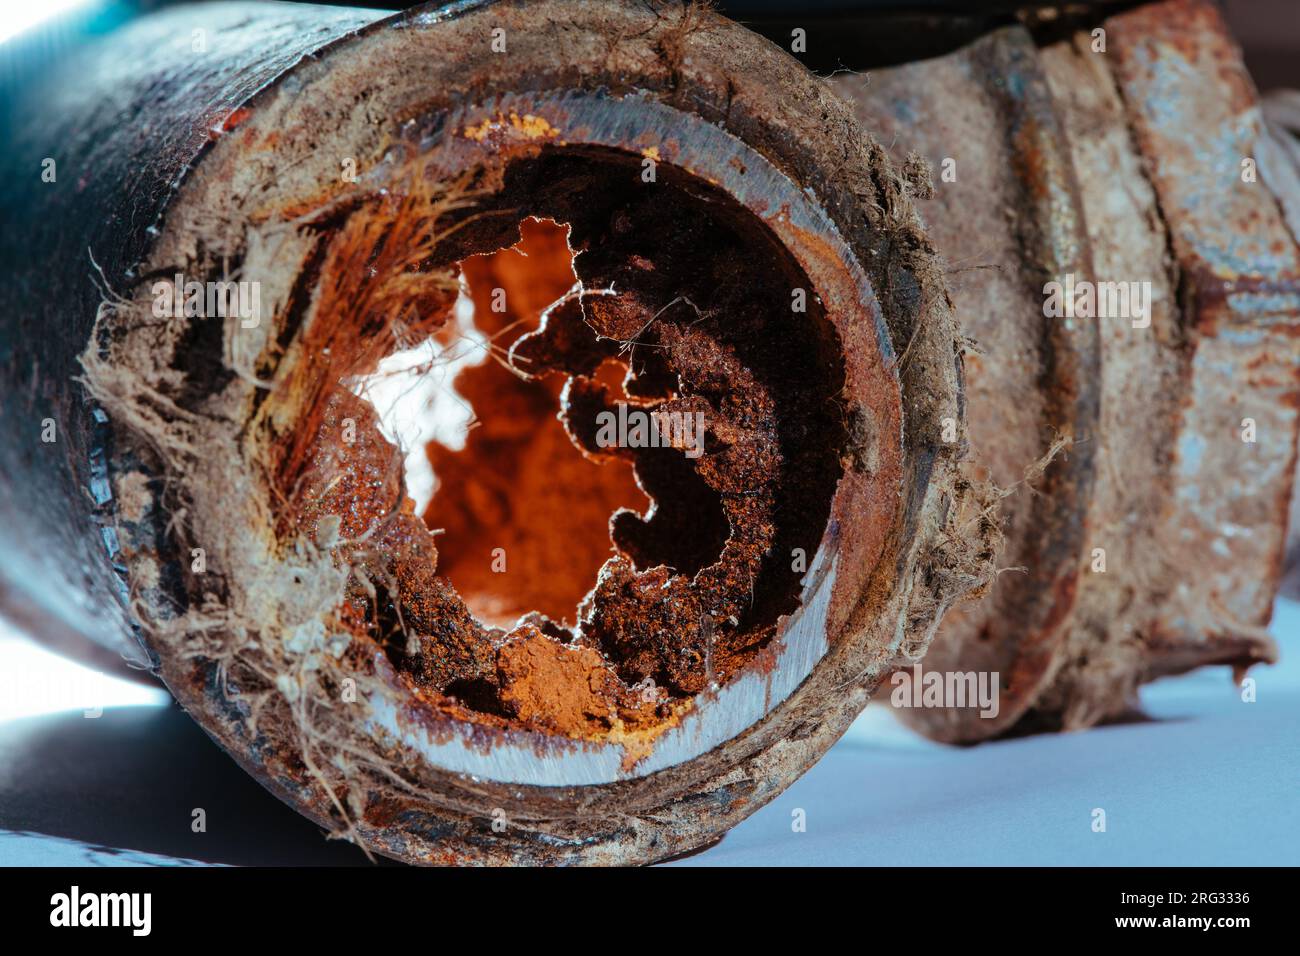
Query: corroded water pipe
[206, 492]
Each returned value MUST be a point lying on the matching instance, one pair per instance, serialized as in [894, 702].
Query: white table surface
[1209, 780]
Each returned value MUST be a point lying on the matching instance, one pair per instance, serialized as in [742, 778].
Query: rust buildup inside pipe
[575, 586]
[522, 515]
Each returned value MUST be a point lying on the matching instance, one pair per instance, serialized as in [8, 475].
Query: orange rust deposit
[570, 690]
[523, 516]
[526, 127]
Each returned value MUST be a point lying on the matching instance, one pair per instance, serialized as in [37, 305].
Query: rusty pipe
[274, 574]
[251, 176]
[1111, 149]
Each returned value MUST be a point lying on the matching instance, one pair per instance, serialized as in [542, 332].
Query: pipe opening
[634, 431]
[522, 515]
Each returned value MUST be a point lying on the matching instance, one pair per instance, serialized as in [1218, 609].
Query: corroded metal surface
[1239, 295]
[1009, 221]
[1181, 472]
[634, 125]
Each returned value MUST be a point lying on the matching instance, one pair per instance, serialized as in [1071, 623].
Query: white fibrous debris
[287, 684]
